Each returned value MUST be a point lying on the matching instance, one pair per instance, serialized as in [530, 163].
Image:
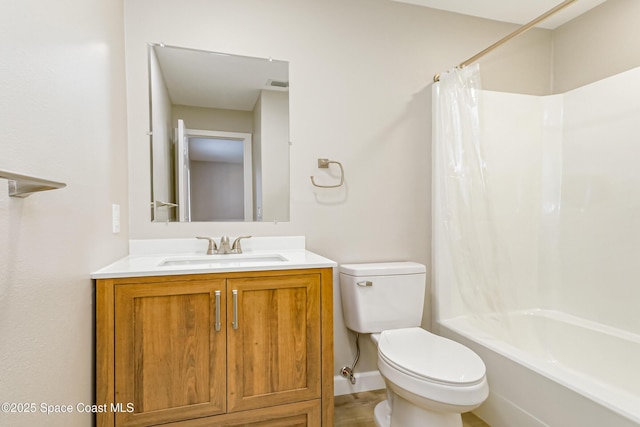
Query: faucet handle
[236, 244]
[213, 248]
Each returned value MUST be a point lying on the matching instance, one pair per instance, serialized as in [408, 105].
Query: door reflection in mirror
[215, 175]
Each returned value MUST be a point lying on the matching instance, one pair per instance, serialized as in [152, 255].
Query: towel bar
[24, 185]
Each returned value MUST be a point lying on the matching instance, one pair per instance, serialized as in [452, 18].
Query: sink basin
[230, 259]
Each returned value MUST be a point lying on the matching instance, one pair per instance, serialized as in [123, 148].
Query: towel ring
[324, 164]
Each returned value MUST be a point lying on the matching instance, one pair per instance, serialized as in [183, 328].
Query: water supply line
[348, 372]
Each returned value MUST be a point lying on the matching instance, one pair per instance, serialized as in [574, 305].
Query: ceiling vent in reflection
[277, 83]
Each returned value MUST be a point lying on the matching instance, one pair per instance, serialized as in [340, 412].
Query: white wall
[63, 117]
[360, 72]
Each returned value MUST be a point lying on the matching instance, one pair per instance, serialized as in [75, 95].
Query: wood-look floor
[356, 410]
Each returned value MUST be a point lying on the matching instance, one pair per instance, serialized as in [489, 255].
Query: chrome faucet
[224, 247]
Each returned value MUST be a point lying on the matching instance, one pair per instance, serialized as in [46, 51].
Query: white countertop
[147, 255]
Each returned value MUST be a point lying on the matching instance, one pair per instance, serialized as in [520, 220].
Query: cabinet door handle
[234, 293]
[218, 311]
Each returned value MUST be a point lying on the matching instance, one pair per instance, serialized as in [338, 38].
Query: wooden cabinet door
[170, 359]
[274, 348]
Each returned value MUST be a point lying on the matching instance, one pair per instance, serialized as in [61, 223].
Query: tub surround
[564, 191]
[556, 351]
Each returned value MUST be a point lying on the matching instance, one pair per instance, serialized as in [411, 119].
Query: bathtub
[553, 369]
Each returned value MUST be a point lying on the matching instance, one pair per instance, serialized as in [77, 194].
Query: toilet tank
[382, 296]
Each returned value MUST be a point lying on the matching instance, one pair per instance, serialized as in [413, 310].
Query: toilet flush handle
[365, 284]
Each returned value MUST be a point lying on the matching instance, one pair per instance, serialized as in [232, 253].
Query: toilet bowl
[437, 377]
[430, 379]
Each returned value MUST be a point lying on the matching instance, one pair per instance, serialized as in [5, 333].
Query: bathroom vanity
[190, 340]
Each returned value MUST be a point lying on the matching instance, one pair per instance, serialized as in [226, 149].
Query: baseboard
[365, 381]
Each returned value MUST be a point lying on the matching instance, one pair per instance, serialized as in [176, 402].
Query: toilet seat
[423, 367]
[424, 356]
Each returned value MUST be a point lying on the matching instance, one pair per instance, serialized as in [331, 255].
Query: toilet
[430, 379]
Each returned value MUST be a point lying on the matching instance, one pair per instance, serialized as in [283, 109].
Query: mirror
[219, 136]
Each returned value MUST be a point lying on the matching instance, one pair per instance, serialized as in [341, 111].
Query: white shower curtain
[476, 263]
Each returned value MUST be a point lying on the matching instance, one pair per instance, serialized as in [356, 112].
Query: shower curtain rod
[508, 37]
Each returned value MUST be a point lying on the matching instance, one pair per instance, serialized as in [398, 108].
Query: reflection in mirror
[220, 136]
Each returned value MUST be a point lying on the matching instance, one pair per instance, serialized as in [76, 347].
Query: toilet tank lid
[383, 268]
